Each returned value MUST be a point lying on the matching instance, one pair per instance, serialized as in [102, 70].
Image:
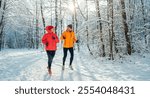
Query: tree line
[107, 28]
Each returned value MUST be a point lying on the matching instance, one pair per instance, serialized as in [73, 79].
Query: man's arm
[75, 38]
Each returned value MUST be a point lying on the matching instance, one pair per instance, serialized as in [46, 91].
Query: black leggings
[65, 55]
[50, 55]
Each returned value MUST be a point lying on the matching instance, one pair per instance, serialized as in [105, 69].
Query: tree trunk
[87, 28]
[0, 3]
[2, 26]
[100, 28]
[43, 18]
[61, 21]
[144, 21]
[37, 30]
[126, 29]
[75, 21]
[111, 27]
[56, 15]
[132, 11]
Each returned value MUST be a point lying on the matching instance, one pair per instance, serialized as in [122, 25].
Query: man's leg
[72, 56]
[65, 55]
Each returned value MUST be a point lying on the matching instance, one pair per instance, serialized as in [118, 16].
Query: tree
[100, 27]
[56, 15]
[111, 27]
[2, 24]
[125, 26]
[144, 20]
[61, 21]
[42, 15]
[87, 28]
[131, 18]
[0, 3]
[37, 27]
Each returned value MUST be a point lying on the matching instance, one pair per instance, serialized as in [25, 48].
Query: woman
[50, 40]
[69, 39]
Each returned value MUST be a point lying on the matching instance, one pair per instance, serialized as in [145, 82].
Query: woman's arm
[57, 39]
[44, 39]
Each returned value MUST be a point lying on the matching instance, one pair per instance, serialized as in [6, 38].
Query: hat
[49, 27]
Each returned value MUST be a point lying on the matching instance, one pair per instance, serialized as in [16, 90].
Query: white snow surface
[31, 65]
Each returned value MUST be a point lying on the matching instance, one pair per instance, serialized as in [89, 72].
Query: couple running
[50, 40]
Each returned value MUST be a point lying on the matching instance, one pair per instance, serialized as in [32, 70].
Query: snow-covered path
[30, 65]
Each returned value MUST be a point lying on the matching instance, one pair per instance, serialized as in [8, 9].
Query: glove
[77, 41]
[46, 44]
[53, 38]
[64, 37]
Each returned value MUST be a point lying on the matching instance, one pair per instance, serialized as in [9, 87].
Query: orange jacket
[69, 39]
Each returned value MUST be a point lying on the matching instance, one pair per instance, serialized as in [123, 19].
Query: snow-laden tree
[106, 28]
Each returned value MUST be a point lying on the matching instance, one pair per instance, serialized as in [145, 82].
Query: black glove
[53, 38]
[46, 44]
[77, 41]
[64, 37]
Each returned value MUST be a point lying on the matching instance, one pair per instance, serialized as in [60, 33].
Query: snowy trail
[32, 66]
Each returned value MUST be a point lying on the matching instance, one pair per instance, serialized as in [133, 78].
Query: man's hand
[64, 37]
[77, 41]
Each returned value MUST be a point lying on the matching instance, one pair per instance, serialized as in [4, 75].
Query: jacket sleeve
[44, 39]
[57, 39]
[63, 34]
[75, 38]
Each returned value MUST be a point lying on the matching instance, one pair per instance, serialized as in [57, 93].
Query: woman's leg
[50, 55]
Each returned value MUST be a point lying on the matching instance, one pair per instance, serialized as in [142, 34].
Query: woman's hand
[46, 44]
[53, 38]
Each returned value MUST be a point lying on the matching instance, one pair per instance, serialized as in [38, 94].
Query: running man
[69, 39]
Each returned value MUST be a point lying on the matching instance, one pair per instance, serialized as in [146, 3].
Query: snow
[31, 65]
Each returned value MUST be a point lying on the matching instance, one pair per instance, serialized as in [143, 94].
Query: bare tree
[61, 21]
[87, 28]
[0, 3]
[37, 27]
[56, 15]
[100, 27]
[43, 18]
[2, 24]
[126, 28]
[144, 20]
[111, 27]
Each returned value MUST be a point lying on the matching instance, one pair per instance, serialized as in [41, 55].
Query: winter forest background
[114, 39]
[105, 27]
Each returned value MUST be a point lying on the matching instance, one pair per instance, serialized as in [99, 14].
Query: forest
[106, 28]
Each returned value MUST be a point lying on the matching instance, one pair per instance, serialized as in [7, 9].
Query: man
[50, 40]
[69, 39]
